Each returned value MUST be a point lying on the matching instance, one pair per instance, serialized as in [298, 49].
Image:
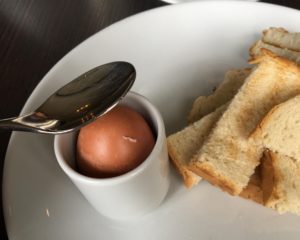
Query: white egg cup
[134, 193]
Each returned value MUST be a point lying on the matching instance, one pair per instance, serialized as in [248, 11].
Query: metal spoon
[79, 102]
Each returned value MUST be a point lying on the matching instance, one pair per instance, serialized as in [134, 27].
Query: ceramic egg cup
[134, 193]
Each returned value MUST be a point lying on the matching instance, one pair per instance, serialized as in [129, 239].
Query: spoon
[79, 102]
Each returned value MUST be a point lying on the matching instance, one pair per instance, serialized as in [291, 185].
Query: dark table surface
[35, 34]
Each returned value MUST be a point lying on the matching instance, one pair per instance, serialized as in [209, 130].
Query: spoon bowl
[79, 102]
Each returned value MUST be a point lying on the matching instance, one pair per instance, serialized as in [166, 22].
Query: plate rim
[69, 53]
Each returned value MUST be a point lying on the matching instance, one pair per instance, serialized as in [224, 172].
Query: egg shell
[114, 144]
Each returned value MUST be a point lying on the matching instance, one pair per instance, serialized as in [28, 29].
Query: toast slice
[285, 119]
[204, 105]
[281, 163]
[281, 182]
[228, 157]
[185, 143]
[255, 51]
[281, 38]
[253, 191]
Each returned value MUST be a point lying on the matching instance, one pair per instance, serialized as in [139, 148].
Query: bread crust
[254, 191]
[190, 179]
[204, 105]
[273, 195]
[257, 132]
[207, 172]
[256, 50]
[283, 117]
[282, 38]
[269, 178]
[284, 62]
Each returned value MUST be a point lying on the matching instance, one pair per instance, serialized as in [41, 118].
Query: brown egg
[114, 144]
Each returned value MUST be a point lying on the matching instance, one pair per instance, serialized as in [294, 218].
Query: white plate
[179, 51]
[184, 1]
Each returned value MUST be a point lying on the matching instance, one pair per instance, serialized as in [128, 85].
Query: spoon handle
[11, 124]
[34, 122]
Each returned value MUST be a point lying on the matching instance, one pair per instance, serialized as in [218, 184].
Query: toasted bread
[185, 143]
[228, 157]
[281, 38]
[281, 182]
[253, 191]
[204, 105]
[278, 131]
[255, 51]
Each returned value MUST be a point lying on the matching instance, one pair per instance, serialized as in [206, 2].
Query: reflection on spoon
[79, 102]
